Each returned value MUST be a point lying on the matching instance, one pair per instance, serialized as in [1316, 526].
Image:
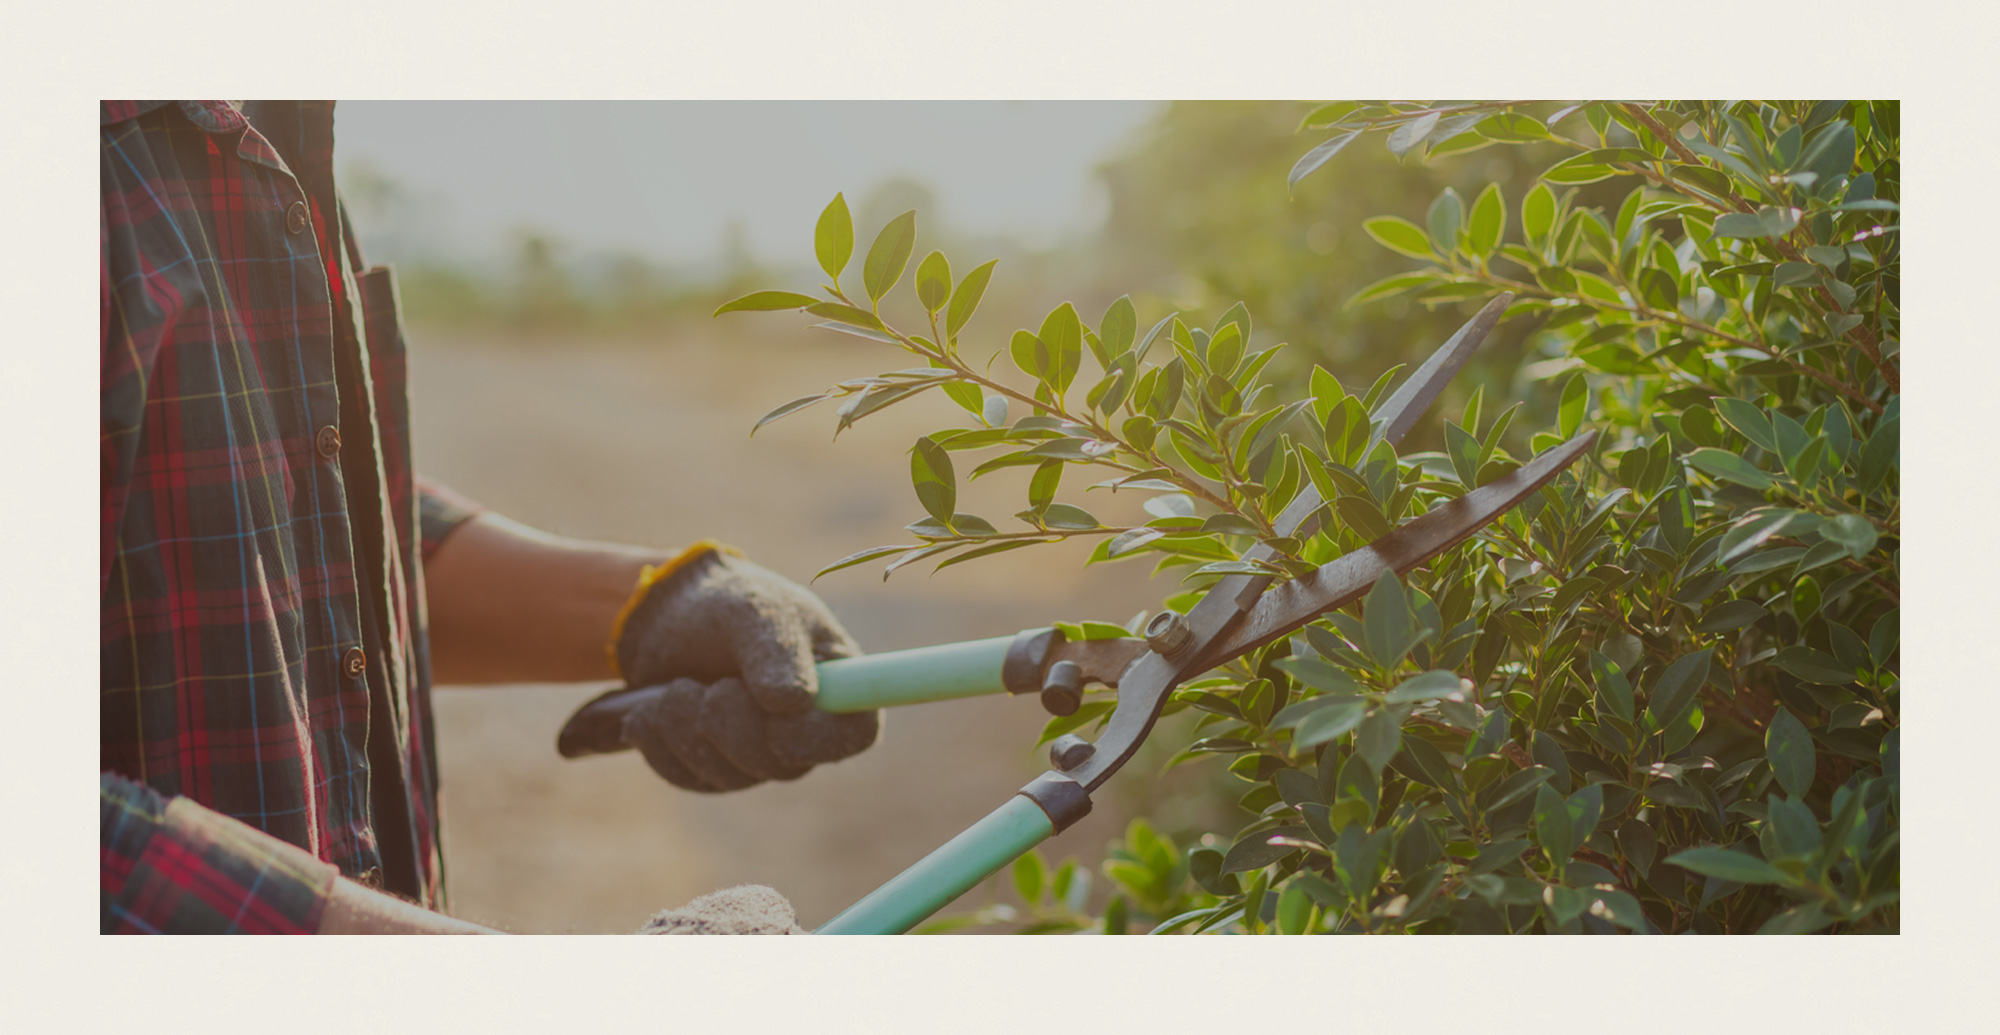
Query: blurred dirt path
[647, 440]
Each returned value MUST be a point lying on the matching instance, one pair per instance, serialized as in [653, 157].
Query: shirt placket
[338, 663]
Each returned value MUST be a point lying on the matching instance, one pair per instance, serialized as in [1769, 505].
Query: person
[279, 588]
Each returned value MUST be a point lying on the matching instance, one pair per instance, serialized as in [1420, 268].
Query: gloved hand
[736, 644]
[745, 909]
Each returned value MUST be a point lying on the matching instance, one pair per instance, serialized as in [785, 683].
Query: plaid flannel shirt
[263, 646]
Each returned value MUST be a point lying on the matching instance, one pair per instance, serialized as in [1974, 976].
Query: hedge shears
[1240, 613]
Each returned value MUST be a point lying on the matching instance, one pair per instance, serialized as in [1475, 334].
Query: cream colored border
[58, 58]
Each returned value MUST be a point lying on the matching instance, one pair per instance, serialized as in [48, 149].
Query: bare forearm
[509, 603]
[354, 909]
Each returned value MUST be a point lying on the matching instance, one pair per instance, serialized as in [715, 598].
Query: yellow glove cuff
[650, 576]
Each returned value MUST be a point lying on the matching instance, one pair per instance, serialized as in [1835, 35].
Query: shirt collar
[213, 116]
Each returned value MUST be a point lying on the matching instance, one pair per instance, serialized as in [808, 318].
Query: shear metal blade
[1285, 609]
[1399, 413]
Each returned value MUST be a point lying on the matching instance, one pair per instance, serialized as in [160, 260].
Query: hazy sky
[665, 179]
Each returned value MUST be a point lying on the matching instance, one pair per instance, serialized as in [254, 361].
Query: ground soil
[644, 437]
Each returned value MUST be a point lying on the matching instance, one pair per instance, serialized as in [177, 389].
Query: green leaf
[931, 474]
[1390, 630]
[1880, 455]
[1492, 734]
[1115, 332]
[1228, 524]
[766, 301]
[862, 557]
[833, 238]
[1062, 724]
[1727, 864]
[1813, 666]
[1612, 685]
[968, 398]
[1328, 721]
[1380, 735]
[1068, 518]
[1391, 286]
[1851, 531]
[1205, 866]
[1317, 157]
[1254, 850]
[1127, 541]
[1673, 695]
[1346, 432]
[1070, 449]
[1789, 274]
[1729, 467]
[1042, 487]
[846, 314]
[1411, 133]
[1327, 114]
[965, 299]
[933, 282]
[1514, 128]
[1463, 449]
[1757, 527]
[1294, 910]
[1399, 235]
[1790, 750]
[1428, 686]
[961, 521]
[1062, 334]
[1446, 216]
[1575, 400]
[1489, 219]
[1659, 289]
[1885, 637]
[1800, 919]
[1538, 214]
[1676, 512]
[789, 408]
[962, 524]
[1579, 169]
[1553, 829]
[1030, 875]
[1516, 786]
[1619, 907]
[1731, 615]
[1115, 915]
[877, 398]
[1317, 674]
[1793, 828]
[1749, 421]
[1765, 222]
[888, 256]
[1225, 350]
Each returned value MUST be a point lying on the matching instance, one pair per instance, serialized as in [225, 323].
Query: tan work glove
[736, 645]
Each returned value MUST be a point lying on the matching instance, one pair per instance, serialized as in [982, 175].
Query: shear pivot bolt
[1062, 691]
[1070, 751]
[1168, 634]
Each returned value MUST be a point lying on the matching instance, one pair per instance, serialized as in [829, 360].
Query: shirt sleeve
[170, 866]
[440, 512]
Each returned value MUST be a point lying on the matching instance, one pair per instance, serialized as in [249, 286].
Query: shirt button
[328, 441]
[354, 662]
[295, 217]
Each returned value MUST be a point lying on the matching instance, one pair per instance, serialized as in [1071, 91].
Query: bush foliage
[1659, 696]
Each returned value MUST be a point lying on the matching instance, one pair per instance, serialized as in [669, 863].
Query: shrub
[1661, 695]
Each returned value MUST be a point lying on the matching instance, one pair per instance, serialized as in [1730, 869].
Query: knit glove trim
[651, 576]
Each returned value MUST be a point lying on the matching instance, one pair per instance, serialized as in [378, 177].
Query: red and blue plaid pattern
[177, 868]
[263, 642]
